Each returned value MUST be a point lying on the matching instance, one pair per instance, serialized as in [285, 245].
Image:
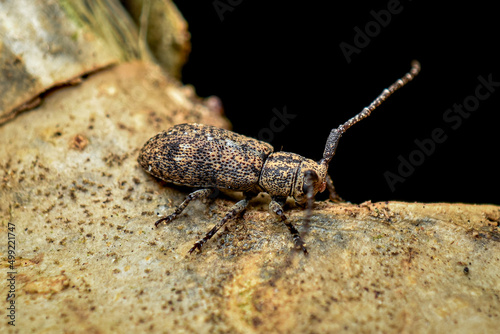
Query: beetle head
[311, 174]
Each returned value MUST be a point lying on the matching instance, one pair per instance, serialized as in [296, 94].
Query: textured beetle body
[204, 156]
[210, 158]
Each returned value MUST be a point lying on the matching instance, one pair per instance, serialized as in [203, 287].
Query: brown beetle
[210, 158]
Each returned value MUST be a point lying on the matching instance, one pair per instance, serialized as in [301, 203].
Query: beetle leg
[310, 177]
[276, 206]
[334, 197]
[202, 193]
[238, 208]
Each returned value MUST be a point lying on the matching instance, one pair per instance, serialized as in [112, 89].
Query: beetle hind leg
[202, 193]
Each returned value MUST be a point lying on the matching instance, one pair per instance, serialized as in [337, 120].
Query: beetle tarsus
[197, 245]
[300, 245]
[165, 220]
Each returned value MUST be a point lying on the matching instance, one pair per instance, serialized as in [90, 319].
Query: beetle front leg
[276, 206]
[202, 193]
[238, 208]
[334, 197]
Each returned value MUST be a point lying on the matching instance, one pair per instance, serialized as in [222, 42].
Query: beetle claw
[301, 245]
[165, 220]
[197, 245]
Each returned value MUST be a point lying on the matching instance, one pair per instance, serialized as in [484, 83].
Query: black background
[266, 55]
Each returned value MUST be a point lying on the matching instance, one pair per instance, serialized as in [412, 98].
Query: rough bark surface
[88, 257]
[78, 211]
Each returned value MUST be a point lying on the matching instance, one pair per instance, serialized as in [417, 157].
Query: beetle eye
[310, 176]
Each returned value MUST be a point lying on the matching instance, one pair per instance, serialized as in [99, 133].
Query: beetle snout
[323, 187]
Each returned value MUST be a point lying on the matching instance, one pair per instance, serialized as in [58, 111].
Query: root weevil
[209, 158]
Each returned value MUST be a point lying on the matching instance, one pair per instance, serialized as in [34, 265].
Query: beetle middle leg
[202, 193]
[276, 206]
[238, 208]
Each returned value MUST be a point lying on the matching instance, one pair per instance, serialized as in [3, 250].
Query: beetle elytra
[210, 158]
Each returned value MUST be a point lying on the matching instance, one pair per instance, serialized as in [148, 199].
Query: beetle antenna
[335, 134]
